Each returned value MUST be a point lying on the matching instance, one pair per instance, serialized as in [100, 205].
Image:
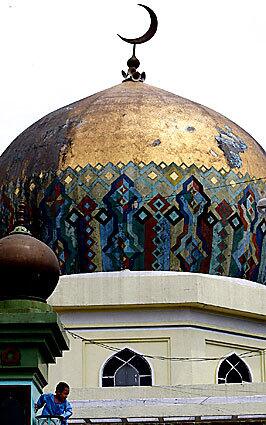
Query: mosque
[155, 208]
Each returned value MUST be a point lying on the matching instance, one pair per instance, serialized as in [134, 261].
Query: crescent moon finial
[148, 34]
[133, 63]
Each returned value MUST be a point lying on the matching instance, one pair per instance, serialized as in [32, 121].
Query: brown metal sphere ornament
[29, 269]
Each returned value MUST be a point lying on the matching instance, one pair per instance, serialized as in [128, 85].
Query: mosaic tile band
[146, 217]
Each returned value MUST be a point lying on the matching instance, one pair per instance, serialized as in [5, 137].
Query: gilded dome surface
[136, 177]
[132, 122]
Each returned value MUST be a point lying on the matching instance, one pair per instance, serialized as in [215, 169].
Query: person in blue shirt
[56, 404]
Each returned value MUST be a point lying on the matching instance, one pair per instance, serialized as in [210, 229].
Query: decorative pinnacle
[133, 63]
[132, 74]
[20, 227]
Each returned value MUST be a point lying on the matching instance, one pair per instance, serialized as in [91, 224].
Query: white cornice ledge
[127, 289]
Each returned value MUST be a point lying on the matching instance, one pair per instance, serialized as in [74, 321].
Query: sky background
[54, 52]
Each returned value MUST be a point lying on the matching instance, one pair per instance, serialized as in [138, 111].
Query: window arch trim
[136, 352]
[243, 360]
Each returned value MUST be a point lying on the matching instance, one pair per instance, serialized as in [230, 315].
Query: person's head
[62, 391]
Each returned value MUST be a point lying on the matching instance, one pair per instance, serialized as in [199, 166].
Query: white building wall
[165, 314]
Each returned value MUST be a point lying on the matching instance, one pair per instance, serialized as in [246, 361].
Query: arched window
[233, 370]
[126, 368]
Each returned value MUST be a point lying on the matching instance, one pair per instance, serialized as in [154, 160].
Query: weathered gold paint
[124, 123]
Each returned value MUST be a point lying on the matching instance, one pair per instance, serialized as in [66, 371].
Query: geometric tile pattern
[145, 217]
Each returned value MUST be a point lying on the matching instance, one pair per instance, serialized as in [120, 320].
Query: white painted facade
[192, 321]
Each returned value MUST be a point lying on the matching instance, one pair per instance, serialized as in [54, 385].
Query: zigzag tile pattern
[146, 217]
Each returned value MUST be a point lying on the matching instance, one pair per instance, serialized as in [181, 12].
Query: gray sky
[55, 52]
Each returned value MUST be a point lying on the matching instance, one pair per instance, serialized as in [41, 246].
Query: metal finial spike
[21, 214]
[133, 63]
[20, 226]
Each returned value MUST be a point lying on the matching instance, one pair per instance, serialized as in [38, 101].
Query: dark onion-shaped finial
[29, 269]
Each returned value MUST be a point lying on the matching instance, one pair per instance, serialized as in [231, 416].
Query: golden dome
[131, 122]
[135, 177]
[137, 122]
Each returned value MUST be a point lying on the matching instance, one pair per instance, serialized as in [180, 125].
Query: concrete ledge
[126, 289]
[185, 400]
